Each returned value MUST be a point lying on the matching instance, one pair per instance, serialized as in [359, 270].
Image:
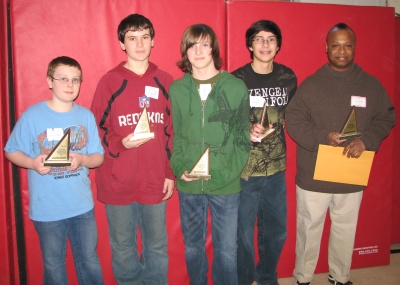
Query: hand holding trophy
[264, 121]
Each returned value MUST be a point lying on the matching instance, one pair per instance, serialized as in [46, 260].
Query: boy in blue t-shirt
[61, 202]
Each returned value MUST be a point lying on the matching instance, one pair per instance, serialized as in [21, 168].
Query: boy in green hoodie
[209, 109]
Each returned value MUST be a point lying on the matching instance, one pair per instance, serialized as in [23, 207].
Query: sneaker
[334, 282]
[304, 283]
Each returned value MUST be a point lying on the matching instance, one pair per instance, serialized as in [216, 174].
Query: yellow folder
[334, 167]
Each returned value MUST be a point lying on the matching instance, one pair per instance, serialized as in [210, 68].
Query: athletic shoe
[334, 282]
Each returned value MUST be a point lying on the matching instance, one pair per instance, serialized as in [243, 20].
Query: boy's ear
[50, 82]
[122, 46]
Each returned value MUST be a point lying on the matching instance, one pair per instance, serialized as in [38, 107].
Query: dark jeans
[263, 198]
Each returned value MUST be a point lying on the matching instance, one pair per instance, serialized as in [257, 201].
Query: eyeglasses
[261, 40]
[64, 80]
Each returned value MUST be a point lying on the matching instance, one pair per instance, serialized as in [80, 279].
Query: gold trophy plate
[142, 130]
[202, 167]
[350, 128]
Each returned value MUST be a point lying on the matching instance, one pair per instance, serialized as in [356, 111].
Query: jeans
[263, 198]
[224, 212]
[82, 233]
[130, 267]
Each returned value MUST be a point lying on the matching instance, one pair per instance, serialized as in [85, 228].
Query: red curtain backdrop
[396, 157]
[9, 263]
[86, 31]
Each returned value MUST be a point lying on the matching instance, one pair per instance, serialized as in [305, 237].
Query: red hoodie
[138, 174]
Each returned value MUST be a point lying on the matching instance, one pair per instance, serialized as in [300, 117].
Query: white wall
[348, 2]
[383, 3]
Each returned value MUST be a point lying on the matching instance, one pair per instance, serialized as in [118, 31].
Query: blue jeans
[130, 267]
[224, 212]
[82, 233]
[263, 198]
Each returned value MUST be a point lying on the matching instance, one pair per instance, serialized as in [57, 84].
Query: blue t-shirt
[61, 193]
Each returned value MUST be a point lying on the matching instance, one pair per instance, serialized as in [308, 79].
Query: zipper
[203, 103]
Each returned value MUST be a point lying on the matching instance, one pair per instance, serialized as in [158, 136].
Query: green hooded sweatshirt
[221, 122]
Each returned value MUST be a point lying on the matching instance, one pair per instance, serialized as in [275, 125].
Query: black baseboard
[395, 251]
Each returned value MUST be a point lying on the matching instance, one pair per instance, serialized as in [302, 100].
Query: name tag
[257, 101]
[151, 92]
[358, 101]
[204, 90]
[54, 134]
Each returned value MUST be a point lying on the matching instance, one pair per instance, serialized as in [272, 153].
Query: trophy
[350, 129]
[202, 167]
[59, 156]
[142, 130]
[265, 123]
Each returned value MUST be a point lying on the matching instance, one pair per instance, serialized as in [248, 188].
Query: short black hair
[340, 26]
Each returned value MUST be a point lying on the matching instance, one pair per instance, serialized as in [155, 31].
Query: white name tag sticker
[151, 92]
[54, 134]
[204, 90]
[358, 101]
[257, 101]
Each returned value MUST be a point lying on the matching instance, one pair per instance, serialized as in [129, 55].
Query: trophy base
[201, 176]
[57, 163]
[350, 136]
[265, 135]
[142, 136]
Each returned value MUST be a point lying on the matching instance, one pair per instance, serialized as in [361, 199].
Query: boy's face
[264, 47]
[200, 56]
[137, 45]
[65, 92]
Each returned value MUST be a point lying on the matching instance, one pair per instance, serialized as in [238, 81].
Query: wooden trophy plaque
[265, 123]
[59, 156]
